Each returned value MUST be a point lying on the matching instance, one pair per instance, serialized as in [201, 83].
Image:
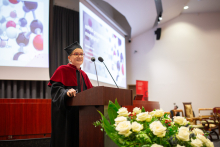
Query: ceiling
[203, 6]
[141, 14]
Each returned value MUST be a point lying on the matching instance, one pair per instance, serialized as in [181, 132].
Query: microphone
[102, 60]
[93, 60]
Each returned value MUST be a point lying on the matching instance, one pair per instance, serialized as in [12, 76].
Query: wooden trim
[30, 136]
[204, 109]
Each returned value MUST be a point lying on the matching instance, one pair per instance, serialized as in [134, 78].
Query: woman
[65, 83]
[171, 112]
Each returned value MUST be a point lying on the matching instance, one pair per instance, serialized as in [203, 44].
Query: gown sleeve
[59, 96]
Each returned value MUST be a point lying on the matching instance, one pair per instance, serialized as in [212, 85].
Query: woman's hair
[69, 61]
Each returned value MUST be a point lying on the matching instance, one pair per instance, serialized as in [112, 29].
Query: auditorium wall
[183, 66]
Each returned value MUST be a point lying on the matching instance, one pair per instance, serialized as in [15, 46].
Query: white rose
[149, 118]
[124, 128]
[158, 129]
[201, 137]
[152, 113]
[183, 134]
[126, 135]
[156, 145]
[158, 113]
[144, 116]
[180, 120]
[197, 131]
[120, 119]
[154, 124]
[209, 143]
[185, 122]
[196, 143]
[136, 110]
[204, 140]
[179, 145]
[123, 112]
[136, 127]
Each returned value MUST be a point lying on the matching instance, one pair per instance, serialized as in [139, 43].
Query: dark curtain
[65, 31]
[24, 89]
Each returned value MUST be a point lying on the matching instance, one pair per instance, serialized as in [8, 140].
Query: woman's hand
[71, 92]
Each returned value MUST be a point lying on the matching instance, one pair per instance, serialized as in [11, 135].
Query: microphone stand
[96, 73]
[110, 74]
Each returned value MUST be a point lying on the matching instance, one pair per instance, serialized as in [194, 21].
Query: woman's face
[76, 57]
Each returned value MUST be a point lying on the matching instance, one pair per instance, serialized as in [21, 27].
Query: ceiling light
[186, 7]
[160, 18]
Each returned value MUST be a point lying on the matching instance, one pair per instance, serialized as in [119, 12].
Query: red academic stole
[66, 74]
[81, 81]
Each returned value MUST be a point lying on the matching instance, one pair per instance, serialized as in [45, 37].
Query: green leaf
[112, 112]
[165, 115]
[121, 141]
[143, 110]
[110, 131]
[143, 138]
[107, 126]
[117, 104]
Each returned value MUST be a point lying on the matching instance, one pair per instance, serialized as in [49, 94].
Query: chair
[216, 112]
[205, 116]
[190, 116]
[181, 111]
[212, 124]
[209, 118]
[176, 111]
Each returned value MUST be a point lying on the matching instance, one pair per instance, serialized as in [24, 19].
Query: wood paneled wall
[25, 118]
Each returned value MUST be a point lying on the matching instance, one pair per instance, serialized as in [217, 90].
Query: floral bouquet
[149, 129]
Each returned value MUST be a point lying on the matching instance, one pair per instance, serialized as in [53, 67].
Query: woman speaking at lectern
[66, 82]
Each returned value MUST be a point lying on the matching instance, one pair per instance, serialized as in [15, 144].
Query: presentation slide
[24, 39]
[98, 39]
[24, 33]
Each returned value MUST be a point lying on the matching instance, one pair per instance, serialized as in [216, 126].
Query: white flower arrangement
[150, 129]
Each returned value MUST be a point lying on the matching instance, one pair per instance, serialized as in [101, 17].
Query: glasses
[78, 54]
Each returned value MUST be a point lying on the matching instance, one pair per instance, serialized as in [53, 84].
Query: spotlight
[186, 7]
[159, 18]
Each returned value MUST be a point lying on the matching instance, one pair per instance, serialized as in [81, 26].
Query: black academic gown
[171, 112]
[65, 119]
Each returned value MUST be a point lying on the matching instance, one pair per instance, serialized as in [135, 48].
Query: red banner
[142, 88]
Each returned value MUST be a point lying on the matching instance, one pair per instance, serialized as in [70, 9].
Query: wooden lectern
[89, 102]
